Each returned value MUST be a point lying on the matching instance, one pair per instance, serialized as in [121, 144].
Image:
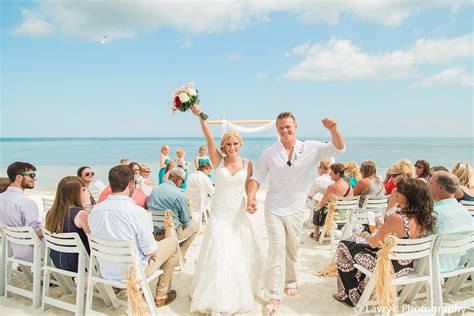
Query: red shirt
[389, 186]
[138, 196]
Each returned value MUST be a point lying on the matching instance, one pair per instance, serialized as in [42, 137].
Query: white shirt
[288, 185]
[118, 218]
[199, 182]
[17, 210]
[320, 185]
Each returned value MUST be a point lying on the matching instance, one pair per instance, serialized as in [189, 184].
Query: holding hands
[251, 205]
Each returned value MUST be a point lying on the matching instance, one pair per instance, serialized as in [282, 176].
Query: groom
[289, 164]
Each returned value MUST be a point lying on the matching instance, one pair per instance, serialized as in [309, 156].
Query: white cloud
[33, 25]
[89, 19]
[342, 60]
[233, 56]
[450, 76]
[261, 76]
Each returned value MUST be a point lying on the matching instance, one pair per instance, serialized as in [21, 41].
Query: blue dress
[162, 172]
[69, 261]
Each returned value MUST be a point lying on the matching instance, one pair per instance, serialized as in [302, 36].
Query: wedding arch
[226, 125]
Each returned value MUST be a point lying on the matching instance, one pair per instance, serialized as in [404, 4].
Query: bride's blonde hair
[226, 137]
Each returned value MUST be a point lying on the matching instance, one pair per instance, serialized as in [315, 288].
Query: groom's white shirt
[288, 185]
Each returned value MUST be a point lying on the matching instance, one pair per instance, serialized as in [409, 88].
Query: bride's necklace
[231, 163]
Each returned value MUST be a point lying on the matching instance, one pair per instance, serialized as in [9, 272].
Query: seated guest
[125, 161]
[352, 174]
[145, 173]
[16, 209]
[67, 215]
[169, 165]
[466, 189]
[339, 188]
[370, 184]
[438, 168]
[403, 169]
[422, 170]
[168, 196]
[4, 183]
[137, 194]
[320, 183]
[414, 219]
[87, 175]
[118, 218]
[200, 182]
[452, 217]
[388, 182]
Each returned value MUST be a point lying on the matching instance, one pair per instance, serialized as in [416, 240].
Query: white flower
[183, 97]
[192, 92]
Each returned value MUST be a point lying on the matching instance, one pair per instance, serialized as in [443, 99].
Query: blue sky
[380, 68]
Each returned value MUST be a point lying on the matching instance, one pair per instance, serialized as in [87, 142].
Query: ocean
[58, 157]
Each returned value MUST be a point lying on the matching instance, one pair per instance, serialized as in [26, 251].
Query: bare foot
[292, 292]
[271, 307]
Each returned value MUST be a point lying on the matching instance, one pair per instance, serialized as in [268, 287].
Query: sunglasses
[395, 175]
[417, 166]
[92, 173]
[146, 171]
[32, 175]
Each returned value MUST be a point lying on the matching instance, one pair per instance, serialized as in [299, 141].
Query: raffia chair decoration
[385, 293]
[134, 296]
[330, 215]
[331, 269]
[168, 223]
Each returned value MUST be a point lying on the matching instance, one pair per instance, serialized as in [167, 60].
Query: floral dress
[350, 281]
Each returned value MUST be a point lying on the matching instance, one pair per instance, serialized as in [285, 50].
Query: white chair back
[69, 243]
[343, 207]
[2, 261]
[359, 217]
[23, 236]
[47, 203]
[418, 250]
[469, 205]
[158, 218]
[118, 252]
[199, 203]
[375, 202]
[460, 249]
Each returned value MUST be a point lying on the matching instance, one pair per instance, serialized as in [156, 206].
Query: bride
[228, 268]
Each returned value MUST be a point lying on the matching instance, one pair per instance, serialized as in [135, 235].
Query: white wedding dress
[230, 263]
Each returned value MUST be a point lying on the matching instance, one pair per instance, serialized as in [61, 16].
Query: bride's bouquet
[185, 98]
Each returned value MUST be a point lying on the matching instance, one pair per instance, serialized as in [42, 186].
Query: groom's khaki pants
[284, 234]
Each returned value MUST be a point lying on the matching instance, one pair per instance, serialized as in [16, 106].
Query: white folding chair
[406, 249]
[375, 202]
[47, 203]
[359, 217]
[159, 218]
[199, 204]
[458, 245]
[65, 243]
[119, 252]
[469, 205]
[3, 250]
[25, 236]
[342, 210]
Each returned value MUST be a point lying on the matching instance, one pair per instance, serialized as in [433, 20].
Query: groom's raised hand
[330, 124]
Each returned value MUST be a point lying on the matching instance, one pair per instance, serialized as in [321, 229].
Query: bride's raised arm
[214, 153]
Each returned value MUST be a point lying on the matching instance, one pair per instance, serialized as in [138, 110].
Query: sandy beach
[315, 297]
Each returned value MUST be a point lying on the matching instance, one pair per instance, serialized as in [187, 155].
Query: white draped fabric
[226, 125]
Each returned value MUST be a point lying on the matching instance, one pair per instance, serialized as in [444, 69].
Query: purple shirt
[17, 210]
